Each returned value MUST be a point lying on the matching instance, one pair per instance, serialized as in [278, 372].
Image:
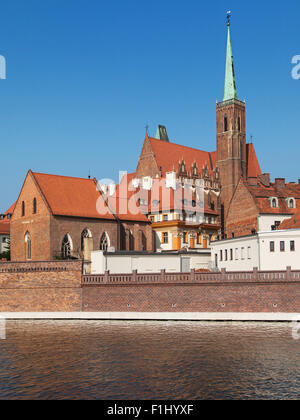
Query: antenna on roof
[251, 139]
[89, 174]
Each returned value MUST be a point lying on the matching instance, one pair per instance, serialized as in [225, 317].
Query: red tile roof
[5, 223]
[252, 162]
[168, 156]
[292, 223]
[167, 199]
[80, 197]
[263, 194]
[67, 196]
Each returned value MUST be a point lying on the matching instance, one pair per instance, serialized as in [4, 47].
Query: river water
[148, 360]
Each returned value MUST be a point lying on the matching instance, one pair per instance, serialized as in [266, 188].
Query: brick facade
[41, 287]
[231, 147]
[215, 292]
[147, 165]
[60, 287]
[242, 215]
[47, 230]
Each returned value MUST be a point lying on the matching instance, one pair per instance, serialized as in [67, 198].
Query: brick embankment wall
[41, 286]
[239, 292]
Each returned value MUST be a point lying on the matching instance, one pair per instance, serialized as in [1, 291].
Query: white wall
[266, 221]
[278, 260]
[245, 253]
[152, 263]
[260, 255]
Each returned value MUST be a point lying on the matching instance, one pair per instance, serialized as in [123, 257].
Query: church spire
[230, 91]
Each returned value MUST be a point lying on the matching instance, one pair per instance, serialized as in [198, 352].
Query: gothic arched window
[34, 206]
[131, 241]
[23, 208]
[104, 242]
[291, 203]
[225, 123]
[28, 246]
[66, 247]
[85, 234]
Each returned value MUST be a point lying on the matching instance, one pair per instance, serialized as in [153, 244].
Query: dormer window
[274, 202]
[291, 203]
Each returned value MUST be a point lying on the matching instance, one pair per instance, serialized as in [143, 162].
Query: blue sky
[84, 78]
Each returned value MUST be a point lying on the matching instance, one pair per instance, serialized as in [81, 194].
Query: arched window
[66, 247]
[239, 123]
[291, 203]
[28, 246]
[34, 206]
[85, 234]
[274, 203]
[23, 208]
[131, 241]
[104, 242]
[143, 241]
[225, 123]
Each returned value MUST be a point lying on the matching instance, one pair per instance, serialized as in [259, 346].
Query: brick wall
[233, 292]
[40, 287]
[147, 165]
[38, 225]
[60, 226]
[242, 214]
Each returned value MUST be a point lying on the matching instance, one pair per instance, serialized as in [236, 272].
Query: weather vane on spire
[228, 17]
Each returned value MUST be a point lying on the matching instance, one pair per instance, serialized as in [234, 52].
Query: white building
[273, 250]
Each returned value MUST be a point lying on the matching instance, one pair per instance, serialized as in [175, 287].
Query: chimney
[265, 179]
[280, 182]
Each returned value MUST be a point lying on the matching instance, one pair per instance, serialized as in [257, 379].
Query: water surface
[148, 360]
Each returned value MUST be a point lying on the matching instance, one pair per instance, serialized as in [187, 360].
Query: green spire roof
[230, 91]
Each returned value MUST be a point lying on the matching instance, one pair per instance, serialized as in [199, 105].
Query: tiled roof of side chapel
[168, 155]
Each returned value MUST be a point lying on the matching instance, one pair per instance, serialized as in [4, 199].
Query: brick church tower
[231, 135]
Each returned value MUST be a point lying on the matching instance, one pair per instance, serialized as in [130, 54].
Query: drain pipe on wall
[258, 245]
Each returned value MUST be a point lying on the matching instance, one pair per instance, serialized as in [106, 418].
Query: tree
[6, 254]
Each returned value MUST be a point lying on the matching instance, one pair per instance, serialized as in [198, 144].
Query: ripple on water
[148, 360]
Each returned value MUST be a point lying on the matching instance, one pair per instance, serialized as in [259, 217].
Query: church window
[104, 242]
[66, 247]
[28, 246]
[23, 208]
[225, 123]
[131, 241]
[239, 123]
[34, 206]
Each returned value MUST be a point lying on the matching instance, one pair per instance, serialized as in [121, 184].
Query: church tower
[231, 134]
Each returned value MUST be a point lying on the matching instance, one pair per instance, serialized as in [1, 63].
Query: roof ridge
[62, 176]
[180, 145]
